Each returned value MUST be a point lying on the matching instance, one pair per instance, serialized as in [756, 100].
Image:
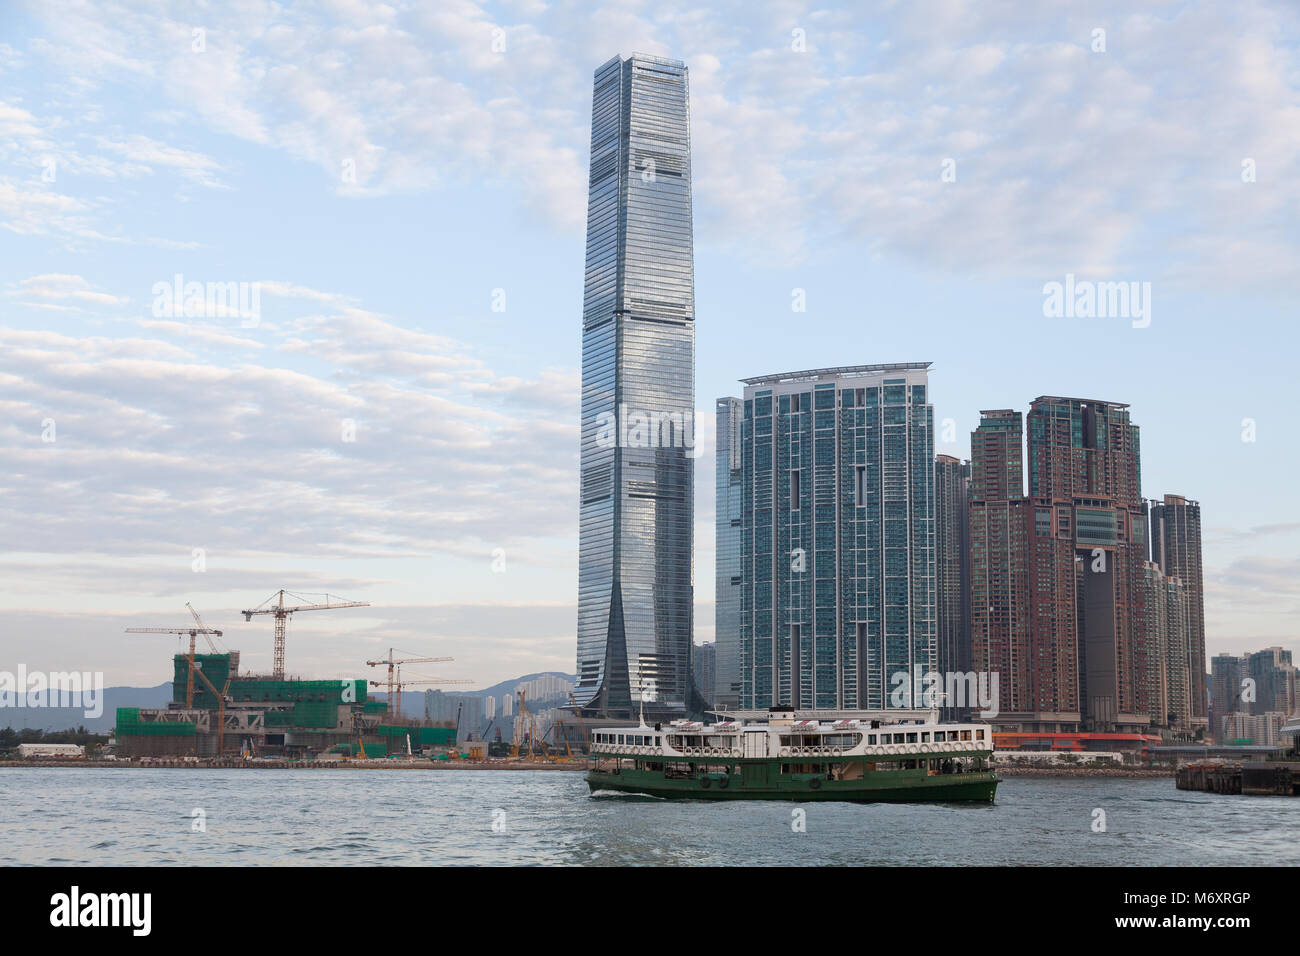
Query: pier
[1257, 778]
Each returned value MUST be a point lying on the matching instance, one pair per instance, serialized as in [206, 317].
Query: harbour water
[84, 816]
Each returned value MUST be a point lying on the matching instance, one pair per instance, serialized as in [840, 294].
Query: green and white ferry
[865, 756]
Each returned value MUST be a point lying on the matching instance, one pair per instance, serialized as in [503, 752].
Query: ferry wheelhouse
[869, 756]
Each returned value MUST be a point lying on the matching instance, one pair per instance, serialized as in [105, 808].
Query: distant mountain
[63, 718]
[508, 686]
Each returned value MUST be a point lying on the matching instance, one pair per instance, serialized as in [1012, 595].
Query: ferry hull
[944, 788]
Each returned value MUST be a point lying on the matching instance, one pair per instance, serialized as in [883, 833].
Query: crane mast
[193, 632]
[282, 615]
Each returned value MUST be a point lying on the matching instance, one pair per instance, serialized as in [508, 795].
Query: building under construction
[215, 711]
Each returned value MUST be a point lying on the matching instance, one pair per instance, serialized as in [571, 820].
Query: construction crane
[193, 632]
[222, 699]
[391, 662]
[282, 615]
[399, 684]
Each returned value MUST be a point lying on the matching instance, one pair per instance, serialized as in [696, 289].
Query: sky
[404, 187]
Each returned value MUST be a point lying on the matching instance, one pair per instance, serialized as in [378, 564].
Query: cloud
[1067, 158]
[398, 442]
[55, 288]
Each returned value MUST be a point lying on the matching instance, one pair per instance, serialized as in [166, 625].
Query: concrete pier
[1263, 778]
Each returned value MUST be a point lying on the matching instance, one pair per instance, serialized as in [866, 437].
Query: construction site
[217, 713]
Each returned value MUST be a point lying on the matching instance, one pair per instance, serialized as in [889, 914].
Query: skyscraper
[727, 521]
[1227, 672]
[635, 573]
[1165, 683]
[999, 592]
[704, 663]
[1175, 537]
[1087, 554]
[952, 562]
[837, 537]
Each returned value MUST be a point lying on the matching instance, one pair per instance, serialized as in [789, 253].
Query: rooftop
[1082, 401]
[838, 370]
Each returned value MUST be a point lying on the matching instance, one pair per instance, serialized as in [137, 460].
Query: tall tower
[727, 522]
[1176, 548]
[837, 537]
[1087, 560]
[635, 573]
[952, 562]
[999, 595]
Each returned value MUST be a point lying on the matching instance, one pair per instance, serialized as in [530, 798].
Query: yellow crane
[193, 632]
[282, 615]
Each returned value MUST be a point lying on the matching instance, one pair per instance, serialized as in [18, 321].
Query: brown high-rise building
[1058, 575]
[1086, 565]
[999, 598]
[952, 563]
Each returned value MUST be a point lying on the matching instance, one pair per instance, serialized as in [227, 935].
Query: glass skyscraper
[635, 575]
[837, 537]
[727, 521]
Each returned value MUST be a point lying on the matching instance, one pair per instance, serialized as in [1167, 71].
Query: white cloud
[1067, 159]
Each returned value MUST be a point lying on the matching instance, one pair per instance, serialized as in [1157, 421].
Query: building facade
[1274, 678]
[635, 561]
[1175, 542]
[837, 537]
[1058, 572]
[952, 567]
[727, 521]
[1087, 554]
[1227, 672]
[1165, 684]
[705, 665]
[999, 590]
[1258, 683]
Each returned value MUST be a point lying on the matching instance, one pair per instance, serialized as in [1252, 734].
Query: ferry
[783, 754]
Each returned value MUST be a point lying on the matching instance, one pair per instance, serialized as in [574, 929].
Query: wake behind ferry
[865, 756]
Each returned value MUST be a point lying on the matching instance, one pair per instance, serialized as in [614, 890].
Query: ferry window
[620, 738]
[871, 738]
[979, 734]
[925, 737]
[940, 736]
[900, 738]
[911, 738]
[965, 735]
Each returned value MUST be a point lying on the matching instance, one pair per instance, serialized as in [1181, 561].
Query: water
[411, 817]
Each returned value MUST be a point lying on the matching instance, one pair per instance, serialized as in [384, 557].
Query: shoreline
[297, 765]
[578, 765]
[1135, 772]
